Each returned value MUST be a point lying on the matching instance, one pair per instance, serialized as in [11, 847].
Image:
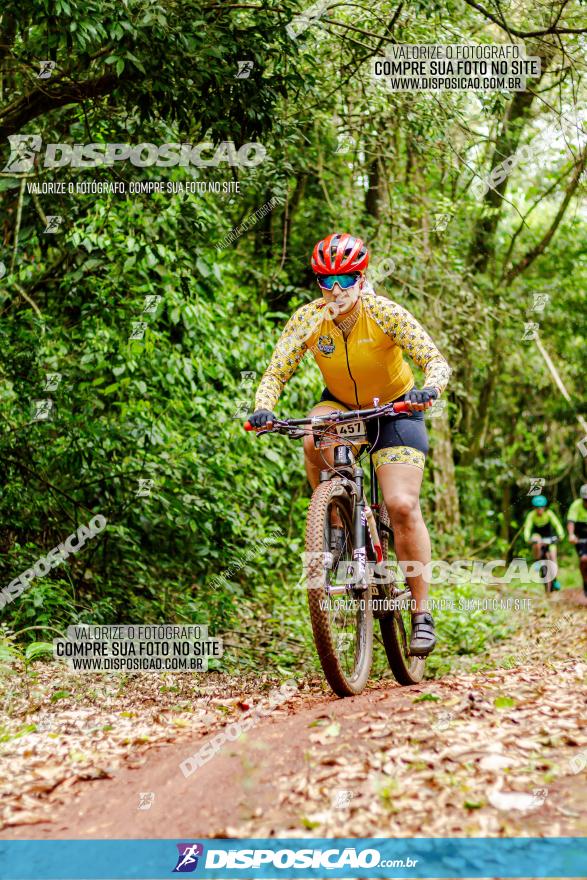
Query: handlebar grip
[247, 426]
[401, 406]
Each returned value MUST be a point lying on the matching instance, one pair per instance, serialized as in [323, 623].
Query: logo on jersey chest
[326, 344]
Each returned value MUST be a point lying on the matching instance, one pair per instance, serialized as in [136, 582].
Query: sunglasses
[327, 282]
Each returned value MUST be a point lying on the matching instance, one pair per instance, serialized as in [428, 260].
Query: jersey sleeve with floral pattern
[286, 357]
[411, 337]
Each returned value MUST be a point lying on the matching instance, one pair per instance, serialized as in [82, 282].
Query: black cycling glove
[260, 418]
[424, 396]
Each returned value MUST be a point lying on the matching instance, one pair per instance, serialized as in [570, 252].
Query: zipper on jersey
[346, 351]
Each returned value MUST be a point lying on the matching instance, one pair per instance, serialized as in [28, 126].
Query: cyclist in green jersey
[577, 529]
[541, 523]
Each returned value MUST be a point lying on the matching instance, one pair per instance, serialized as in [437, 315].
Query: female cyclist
[358, 340]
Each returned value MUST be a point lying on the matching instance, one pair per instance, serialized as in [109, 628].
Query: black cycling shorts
[400, 439]
[544, 531]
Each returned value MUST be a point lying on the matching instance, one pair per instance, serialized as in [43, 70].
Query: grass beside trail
[482, 639]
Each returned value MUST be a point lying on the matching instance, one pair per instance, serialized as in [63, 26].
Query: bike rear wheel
[342, 623]
[396, 625]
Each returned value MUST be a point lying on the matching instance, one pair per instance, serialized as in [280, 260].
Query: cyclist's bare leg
[314, 459]
[552, 555]
[400, 485]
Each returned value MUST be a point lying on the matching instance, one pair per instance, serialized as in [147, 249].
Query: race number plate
[352, 431]
[329, 434]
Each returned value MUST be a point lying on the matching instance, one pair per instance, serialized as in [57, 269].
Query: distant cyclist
[542, 523]
[577, 528]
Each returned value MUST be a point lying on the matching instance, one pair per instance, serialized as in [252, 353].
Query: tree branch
[28, 299]
[511, 30]
[39, 102]
[534, 205]
[538, 249]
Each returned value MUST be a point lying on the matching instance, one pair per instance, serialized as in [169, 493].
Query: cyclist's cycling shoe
[556, 585]
[423, 638]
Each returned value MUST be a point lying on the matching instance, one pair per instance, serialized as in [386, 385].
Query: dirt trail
[475, 754]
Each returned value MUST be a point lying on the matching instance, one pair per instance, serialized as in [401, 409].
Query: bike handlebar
[339, 416]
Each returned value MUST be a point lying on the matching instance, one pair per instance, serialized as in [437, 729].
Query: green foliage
[163, 407]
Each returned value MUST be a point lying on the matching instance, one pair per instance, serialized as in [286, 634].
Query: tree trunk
[373, 196]
[506, 503]
[506, 144]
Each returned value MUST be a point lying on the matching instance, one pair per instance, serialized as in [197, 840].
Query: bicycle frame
[343, 460]
[342, 486]
[545, 546]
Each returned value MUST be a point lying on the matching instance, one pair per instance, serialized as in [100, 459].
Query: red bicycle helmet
[340, 254]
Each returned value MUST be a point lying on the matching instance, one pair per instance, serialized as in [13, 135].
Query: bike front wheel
[342, 621]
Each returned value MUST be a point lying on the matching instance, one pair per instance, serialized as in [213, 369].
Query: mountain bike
[349, 585]
[543, 569]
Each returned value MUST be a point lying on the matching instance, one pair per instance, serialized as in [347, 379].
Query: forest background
[147, 432]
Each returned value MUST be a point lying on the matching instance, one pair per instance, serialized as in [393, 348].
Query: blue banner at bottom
[418, 858]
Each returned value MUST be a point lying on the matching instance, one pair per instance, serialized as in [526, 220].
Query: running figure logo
[187, 860]
[23, 152]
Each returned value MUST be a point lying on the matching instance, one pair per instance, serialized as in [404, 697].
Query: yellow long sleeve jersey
[368, 364]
